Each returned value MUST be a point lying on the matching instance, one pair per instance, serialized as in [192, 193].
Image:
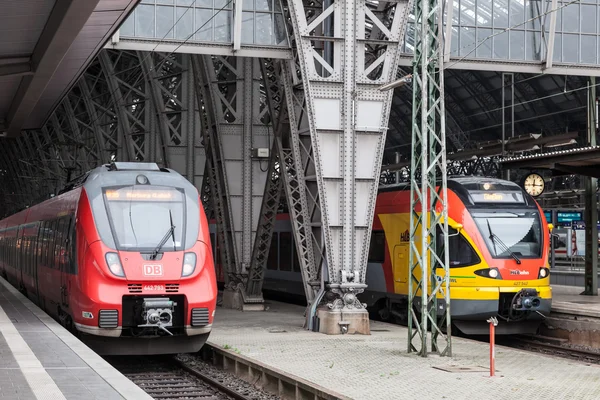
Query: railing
[570, 264]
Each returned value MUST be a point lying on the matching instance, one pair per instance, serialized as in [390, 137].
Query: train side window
[461, 252]
[377, 247]
[285, 251]
[273, 253]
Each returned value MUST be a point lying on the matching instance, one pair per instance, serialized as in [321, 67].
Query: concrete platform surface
[378, 366]
[39, 359]
[568, 300]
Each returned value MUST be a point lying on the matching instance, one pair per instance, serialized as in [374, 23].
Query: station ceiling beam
[580, 159]
[66, 21]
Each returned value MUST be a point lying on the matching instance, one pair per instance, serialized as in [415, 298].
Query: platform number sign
[153, 270]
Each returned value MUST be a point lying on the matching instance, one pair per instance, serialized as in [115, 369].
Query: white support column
[448, 33]
[348, 118]
[551, 34]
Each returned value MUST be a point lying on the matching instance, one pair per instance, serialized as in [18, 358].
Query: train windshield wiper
[503, 246]
[170, 232]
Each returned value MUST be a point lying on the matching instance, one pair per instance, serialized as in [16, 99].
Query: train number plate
[153, 288]
[153, 270]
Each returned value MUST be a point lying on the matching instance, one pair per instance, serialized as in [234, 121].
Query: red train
[123, 259]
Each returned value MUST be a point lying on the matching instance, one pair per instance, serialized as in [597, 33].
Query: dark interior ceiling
[546, 104]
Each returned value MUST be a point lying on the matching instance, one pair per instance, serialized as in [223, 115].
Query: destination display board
[151, 194]
[480, 196]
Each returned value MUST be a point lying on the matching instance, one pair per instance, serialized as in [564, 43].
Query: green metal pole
[429, 275]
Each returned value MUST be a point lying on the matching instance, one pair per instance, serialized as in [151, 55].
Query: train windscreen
[510, 234]
[143, 218]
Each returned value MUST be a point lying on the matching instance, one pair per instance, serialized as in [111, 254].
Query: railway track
[167, 378]
[540, 345]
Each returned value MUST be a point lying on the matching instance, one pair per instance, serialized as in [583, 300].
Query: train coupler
[158, 313]
[526, 300]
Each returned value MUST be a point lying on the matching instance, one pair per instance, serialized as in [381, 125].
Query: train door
[22, 264]
[400, 267]
[16, 273]
[53, 270]
[37, 250]
[66, 261]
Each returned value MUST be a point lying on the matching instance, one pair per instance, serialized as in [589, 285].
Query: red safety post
[493, 323]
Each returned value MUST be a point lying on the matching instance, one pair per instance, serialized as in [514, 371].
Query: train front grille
[108, 319]
[199, 316]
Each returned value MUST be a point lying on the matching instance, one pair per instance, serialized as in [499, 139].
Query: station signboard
[566, 218]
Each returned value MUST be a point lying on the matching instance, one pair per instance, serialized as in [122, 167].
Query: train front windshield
[143, 217]
[511, 233]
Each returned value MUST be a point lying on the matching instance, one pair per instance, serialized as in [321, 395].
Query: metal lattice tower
[429, 208]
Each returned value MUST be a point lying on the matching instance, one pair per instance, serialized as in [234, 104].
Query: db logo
[153, 270]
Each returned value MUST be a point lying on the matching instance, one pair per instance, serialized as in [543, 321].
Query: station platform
[377, 366]
[39, 359]
[568, 299]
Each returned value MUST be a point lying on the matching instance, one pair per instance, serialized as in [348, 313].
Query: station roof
[45, 45]
[544, 105]
[582, 161]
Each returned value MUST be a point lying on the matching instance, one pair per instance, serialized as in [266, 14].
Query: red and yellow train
[123, 260]
[498, 250]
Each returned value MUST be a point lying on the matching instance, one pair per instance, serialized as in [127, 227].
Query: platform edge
[111, 376]
[288, 386]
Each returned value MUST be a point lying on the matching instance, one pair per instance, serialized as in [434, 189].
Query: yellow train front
[498, 251]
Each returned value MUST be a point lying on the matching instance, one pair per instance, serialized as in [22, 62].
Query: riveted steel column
[215, 171]
[347, 121]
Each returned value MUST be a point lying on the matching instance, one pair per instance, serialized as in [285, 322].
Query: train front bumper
[481, 303]
[476, 303]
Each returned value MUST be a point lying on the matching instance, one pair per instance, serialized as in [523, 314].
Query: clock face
[534, 184]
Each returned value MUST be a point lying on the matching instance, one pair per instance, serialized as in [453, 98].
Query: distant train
[123, 260]
[499, 242]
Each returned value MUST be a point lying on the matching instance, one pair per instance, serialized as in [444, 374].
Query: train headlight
[189, 264]
[114, 264]
[492, 273]
[544, 272]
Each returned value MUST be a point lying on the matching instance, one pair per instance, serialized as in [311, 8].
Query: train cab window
[285, 251]
[377, 247]
[461, 252]
[272, 260]
[511, 233]
[139, 218]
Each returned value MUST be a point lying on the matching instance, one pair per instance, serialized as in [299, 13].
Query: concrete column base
[233, 299]
[335, 322]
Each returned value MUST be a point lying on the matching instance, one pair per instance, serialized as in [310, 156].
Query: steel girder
[295, 155]
[347, 121]
[236, 122]
[174, 118]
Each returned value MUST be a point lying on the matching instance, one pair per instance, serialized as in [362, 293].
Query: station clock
[534, 184]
